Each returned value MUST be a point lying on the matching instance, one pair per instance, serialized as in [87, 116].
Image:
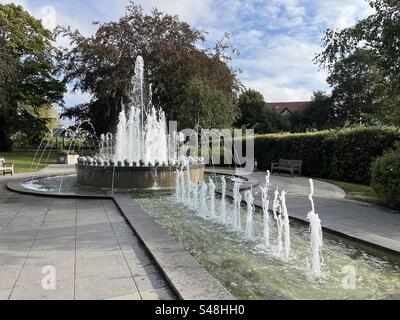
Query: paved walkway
[359, 220]
[94, 252]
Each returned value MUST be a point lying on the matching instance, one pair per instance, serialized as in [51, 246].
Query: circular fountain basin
[134, 177]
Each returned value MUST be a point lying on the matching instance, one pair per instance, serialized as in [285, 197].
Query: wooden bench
[6, 168]
[291, 166]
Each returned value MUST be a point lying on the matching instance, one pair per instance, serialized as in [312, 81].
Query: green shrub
[344, 155]
[386, 176]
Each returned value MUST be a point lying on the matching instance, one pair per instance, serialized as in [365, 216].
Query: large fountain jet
[142, 129]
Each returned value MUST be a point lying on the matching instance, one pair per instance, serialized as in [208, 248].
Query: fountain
[140, 148]
[223, 200]
[203, 199]
[267, 260]
[316, 241]
[212, 188]
[250, 212]
[276, 206]
[237, 200]
[265, 206]
[285, 225]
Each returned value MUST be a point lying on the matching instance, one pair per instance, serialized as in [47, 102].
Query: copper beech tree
[103, 65]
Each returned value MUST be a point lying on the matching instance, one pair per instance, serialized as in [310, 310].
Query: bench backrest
[290, 163]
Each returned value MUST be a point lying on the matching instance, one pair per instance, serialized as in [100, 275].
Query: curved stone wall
[128, 177]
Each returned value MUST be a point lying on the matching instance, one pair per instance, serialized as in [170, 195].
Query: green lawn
[23, 160]
[359, 192]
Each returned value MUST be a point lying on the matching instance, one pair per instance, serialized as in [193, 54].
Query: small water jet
[276, 208]
[250, 212]
[223, 200]
[203, 199]
[212, 188]
[316, 241]
[285, 225]
[237, 201]
[265, 206]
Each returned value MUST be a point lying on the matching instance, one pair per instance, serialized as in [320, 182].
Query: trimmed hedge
[386, 176]
[345, 155]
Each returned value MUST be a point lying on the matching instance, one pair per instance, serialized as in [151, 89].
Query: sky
[277, 39]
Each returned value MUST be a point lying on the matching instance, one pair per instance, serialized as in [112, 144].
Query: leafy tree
[251, 103]
[378, 32]
[205, 106]
[256, 115]
[103, 64]
[28, 80]
[360, 90]
[372, 43]
[318, 116]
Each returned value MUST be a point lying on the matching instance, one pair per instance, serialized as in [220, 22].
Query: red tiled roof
[291, 106]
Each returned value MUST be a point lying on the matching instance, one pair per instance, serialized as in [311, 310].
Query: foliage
[386, 176]
[345, 154]
[364, 60]
[30, 131]
[204, 106]
[361, 93]
[319, 115]
[378, 32]
[103, 64]
[28, 81]
[254, 114]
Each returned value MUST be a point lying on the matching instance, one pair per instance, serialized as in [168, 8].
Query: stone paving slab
[95, 253]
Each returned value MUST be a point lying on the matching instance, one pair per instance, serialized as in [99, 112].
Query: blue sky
[277, 39]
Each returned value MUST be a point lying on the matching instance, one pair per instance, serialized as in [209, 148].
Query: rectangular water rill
[259, 256]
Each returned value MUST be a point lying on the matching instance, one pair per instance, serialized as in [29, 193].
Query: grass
[359, 192]
[23, 161]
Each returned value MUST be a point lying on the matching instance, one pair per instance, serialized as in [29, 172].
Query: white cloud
[277, 38]
[273, 92]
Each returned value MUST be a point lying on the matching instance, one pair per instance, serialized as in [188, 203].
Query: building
[288, 108]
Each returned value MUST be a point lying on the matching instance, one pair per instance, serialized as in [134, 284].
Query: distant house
[288, 108]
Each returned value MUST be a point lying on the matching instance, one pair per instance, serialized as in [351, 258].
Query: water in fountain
[285, 225]
[223, 200]
[316, 241]
[142, 130]
[203, 199]
[237, 200]
[195, 192]
[182, 187]
[189, 183]
[212, 188]
[250, 212]
[265, 205]
[276, 208]
[178, 186]
[106, 146]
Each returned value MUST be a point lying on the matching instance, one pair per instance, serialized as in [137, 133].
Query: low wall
[134, 177]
